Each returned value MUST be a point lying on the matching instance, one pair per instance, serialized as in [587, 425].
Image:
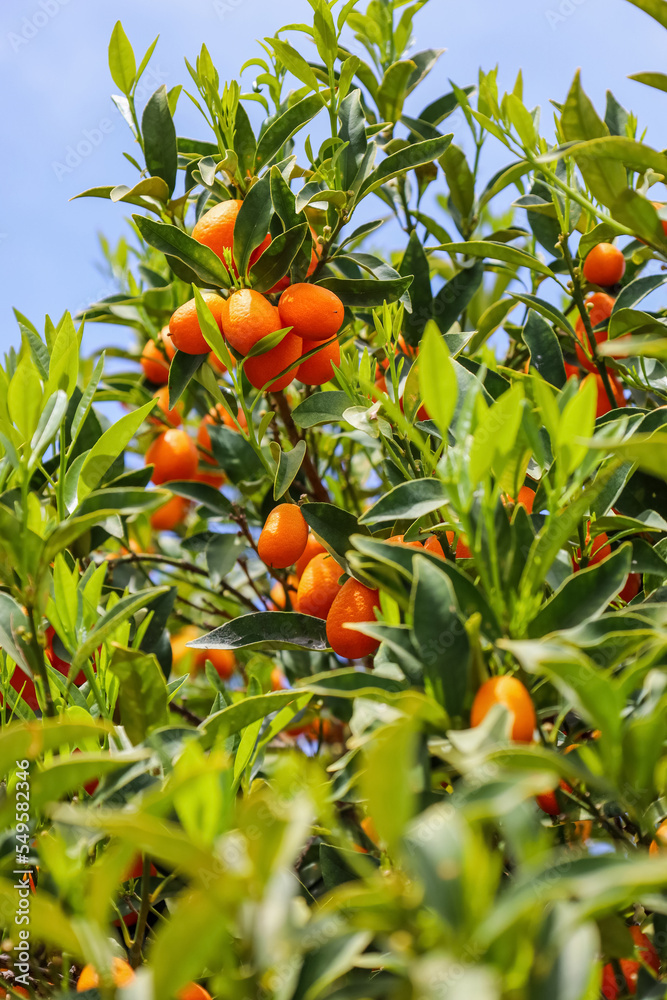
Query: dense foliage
[333, 614]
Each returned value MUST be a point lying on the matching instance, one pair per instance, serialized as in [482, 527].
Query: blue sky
[55, 88]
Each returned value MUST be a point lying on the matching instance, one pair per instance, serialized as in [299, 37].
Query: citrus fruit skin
[318, 586]
[174, 456]
[313, 548]
[525, 499]
[121, 973]
[434, 545]
[603, 404]
[601, 307]
[400, 540]
[267, 367]
[193, 991]
[462, 549]
[215, 228]
[183, 656]
[184, 328]
[511, 693]
[247, 317]
[155, 362]
[548, 803]
[223, 660]
[604, 265]
[284, 536]
[659, 844]
[172, 416]
[171, 514]
[353, 605]
[319, 369]
[279, 598]
[313, 312]
[633, 585]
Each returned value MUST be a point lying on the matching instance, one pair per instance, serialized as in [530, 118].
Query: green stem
[135, 950]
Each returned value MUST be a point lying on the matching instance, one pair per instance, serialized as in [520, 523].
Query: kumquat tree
[333, 664]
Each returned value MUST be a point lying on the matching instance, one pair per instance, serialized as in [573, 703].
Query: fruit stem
[320, 491]
[135, 950]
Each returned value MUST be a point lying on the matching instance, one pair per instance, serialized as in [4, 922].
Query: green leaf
[656, 9]
[106, 450]
[385, 779]
[415, 263]
[142, 696]
[252, 223]
[545, 350]
[470, 598]
[632, 154]
[321, 408]
[350, 682]
[437, 380]
[547, 310]
[284, 127]
[182, 369]
[175, 243]
[496, 434]
[579, 122]
[584, 595]
[267, 630]
[456, 295]
[48, 427]
[234, 718]
[460, 180]
[415, 155]
[159, 135]
[393, 89]
[122, 63]
[407, 500]
[353, 132]
[497, 251]
[656, 80]
[289, 463]
[276, 261]
[367, 292]
[647, 450]
[333, 526]
[121, 612]
[440, 637]
[234, 454]
[211, 330]
[325, 32]
[294, 62]
[24, 397]
[206, 496]
[489, 321]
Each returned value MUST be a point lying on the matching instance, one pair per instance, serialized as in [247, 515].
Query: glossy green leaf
[407, 500]
[122, 63]
[437, 380]
[545, 350]
[107, 449]
[267, 630]
[486, 249]
[175, 243]
[159, 135]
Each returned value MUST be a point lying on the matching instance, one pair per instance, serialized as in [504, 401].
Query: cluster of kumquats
[603, 267]
[309, 315]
